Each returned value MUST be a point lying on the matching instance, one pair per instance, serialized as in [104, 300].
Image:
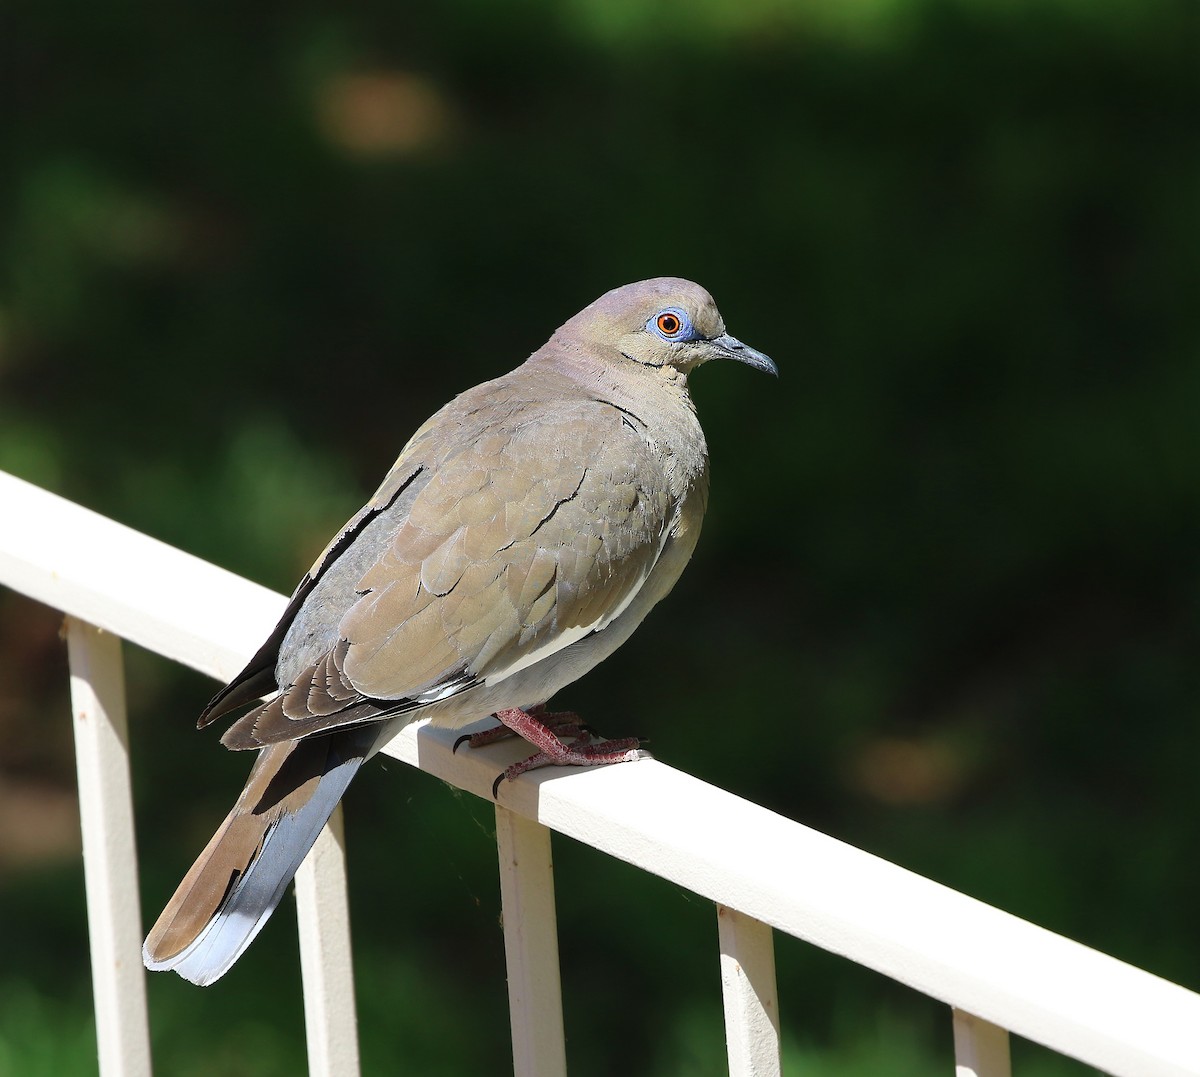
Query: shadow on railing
[996, 972]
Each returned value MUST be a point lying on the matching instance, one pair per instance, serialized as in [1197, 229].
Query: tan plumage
[521, 536]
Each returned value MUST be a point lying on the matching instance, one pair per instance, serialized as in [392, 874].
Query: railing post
[748, 987]
[531, 946]
[323, 910]
[980, 1048]
[109, 852]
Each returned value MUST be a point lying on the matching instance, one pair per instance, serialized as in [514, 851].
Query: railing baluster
[531, 946]
[980, 1048]
[109, 851]
[748, 986]
[330, 1020]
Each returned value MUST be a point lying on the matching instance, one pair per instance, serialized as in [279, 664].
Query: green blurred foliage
[948, 599]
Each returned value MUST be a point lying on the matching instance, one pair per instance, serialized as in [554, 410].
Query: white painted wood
[132, 585]
[109, 851]
[531, 946]
[980, 1048]
[952, 947]
[945, 944]
[330, 1020]
[748, 990]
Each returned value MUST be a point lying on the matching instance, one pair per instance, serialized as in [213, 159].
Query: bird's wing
[257, 679]
[528, 537]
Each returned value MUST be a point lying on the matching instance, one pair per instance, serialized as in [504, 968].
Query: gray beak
[743, 353]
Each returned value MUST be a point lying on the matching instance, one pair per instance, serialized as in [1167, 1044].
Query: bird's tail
[239, 879]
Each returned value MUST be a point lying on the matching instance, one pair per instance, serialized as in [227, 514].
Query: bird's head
[666, 322]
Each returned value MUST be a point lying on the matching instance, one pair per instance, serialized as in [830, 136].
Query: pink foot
[552, 751]
[563, 723]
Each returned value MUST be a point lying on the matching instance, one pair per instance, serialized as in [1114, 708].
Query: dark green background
[946, 605]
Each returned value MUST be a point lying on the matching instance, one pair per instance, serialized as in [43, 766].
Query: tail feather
[239, 879]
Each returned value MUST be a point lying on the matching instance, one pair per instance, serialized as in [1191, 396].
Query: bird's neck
[637, 387]
[656, 399]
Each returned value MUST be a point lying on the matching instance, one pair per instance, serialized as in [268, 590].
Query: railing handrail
[945, 944]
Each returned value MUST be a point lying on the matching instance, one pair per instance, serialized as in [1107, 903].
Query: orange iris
[669, 324]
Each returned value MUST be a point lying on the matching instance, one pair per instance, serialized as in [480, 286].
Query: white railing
[996, 972]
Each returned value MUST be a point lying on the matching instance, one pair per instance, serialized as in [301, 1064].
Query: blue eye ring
[672, 325]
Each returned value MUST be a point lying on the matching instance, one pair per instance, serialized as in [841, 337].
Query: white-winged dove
[524, 532]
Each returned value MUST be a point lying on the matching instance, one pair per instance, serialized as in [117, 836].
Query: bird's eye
[673, 325]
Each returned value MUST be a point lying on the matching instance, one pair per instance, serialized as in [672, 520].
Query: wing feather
[523, 540]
